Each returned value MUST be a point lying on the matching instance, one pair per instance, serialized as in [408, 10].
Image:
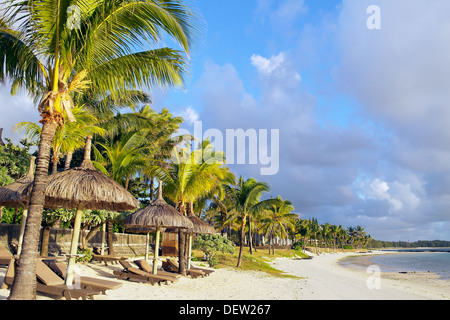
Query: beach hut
[157, 216]
[83, 188]
[17, 195]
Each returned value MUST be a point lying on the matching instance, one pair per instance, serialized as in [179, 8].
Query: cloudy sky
[362, 113]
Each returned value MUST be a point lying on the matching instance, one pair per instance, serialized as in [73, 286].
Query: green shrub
[87, 255]
[211, 244]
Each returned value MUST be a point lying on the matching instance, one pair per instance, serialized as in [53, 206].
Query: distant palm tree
[315, 229]
[51, 58]
[245, 197]
[278, 220]
[334, 230]
[303, 229]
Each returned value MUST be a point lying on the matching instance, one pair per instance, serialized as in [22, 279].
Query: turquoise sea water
[419, 260]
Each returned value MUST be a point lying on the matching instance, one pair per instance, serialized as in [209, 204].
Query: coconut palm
[67, 138]
[189, 176]
[315, 229]
[325, 232]
[278, 220]
[334, 231]
[304, 231]
[246, 200]
[50, 57]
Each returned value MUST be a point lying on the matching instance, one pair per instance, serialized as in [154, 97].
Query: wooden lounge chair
[172, 266]
[135, 274]
[145, 266]
[107, 258]
[5, 256]
[86, 282]
[206, 271]
[49, 283]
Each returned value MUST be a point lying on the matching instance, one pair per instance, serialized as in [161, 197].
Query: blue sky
[362, 114]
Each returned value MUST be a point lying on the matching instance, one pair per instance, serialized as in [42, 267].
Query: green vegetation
[259, 261]
[210, 245]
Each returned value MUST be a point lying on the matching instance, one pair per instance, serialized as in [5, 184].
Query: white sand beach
[322, 279]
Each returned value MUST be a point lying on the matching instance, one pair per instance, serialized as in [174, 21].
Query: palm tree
[315, 229]
[279, 219]
[67, 138]
[45, 55]
[190, 177]
[325, 231]
[334, 230]
[303, 231]
[342, 236]
[246, 200]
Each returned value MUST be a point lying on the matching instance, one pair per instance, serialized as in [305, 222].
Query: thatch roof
[200, 226]
[158, 214]
[16, 194]
[142, 229]
[85, 187]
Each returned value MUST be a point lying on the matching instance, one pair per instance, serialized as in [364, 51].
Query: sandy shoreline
[323, 278]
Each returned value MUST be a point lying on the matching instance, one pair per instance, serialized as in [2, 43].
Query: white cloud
[190, 115]
[267, 66]
[15, 109]
[277, 66]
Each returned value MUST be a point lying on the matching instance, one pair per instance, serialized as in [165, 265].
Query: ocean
[436, 260]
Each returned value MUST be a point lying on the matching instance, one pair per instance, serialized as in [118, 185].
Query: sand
[322, 278]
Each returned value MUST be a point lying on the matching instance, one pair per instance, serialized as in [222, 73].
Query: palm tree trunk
[54, 166]
[22, 227]
[69, 156]
[152, 187]
[181, 253]
[250, 233]
[24, 286]
[241, 242]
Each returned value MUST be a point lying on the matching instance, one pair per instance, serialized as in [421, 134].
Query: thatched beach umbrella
[199, 227]
[158, 215]
[17, 195]
[83, 188]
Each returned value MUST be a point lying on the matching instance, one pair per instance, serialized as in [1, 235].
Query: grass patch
[258, 261]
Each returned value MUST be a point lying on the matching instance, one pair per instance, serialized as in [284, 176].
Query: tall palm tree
[334, 230]
[189, 177]
[315, 229]
[52, 59]
[325, 231]
[246, 200]
[304, 231]
[279, 219]
[69, 137]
